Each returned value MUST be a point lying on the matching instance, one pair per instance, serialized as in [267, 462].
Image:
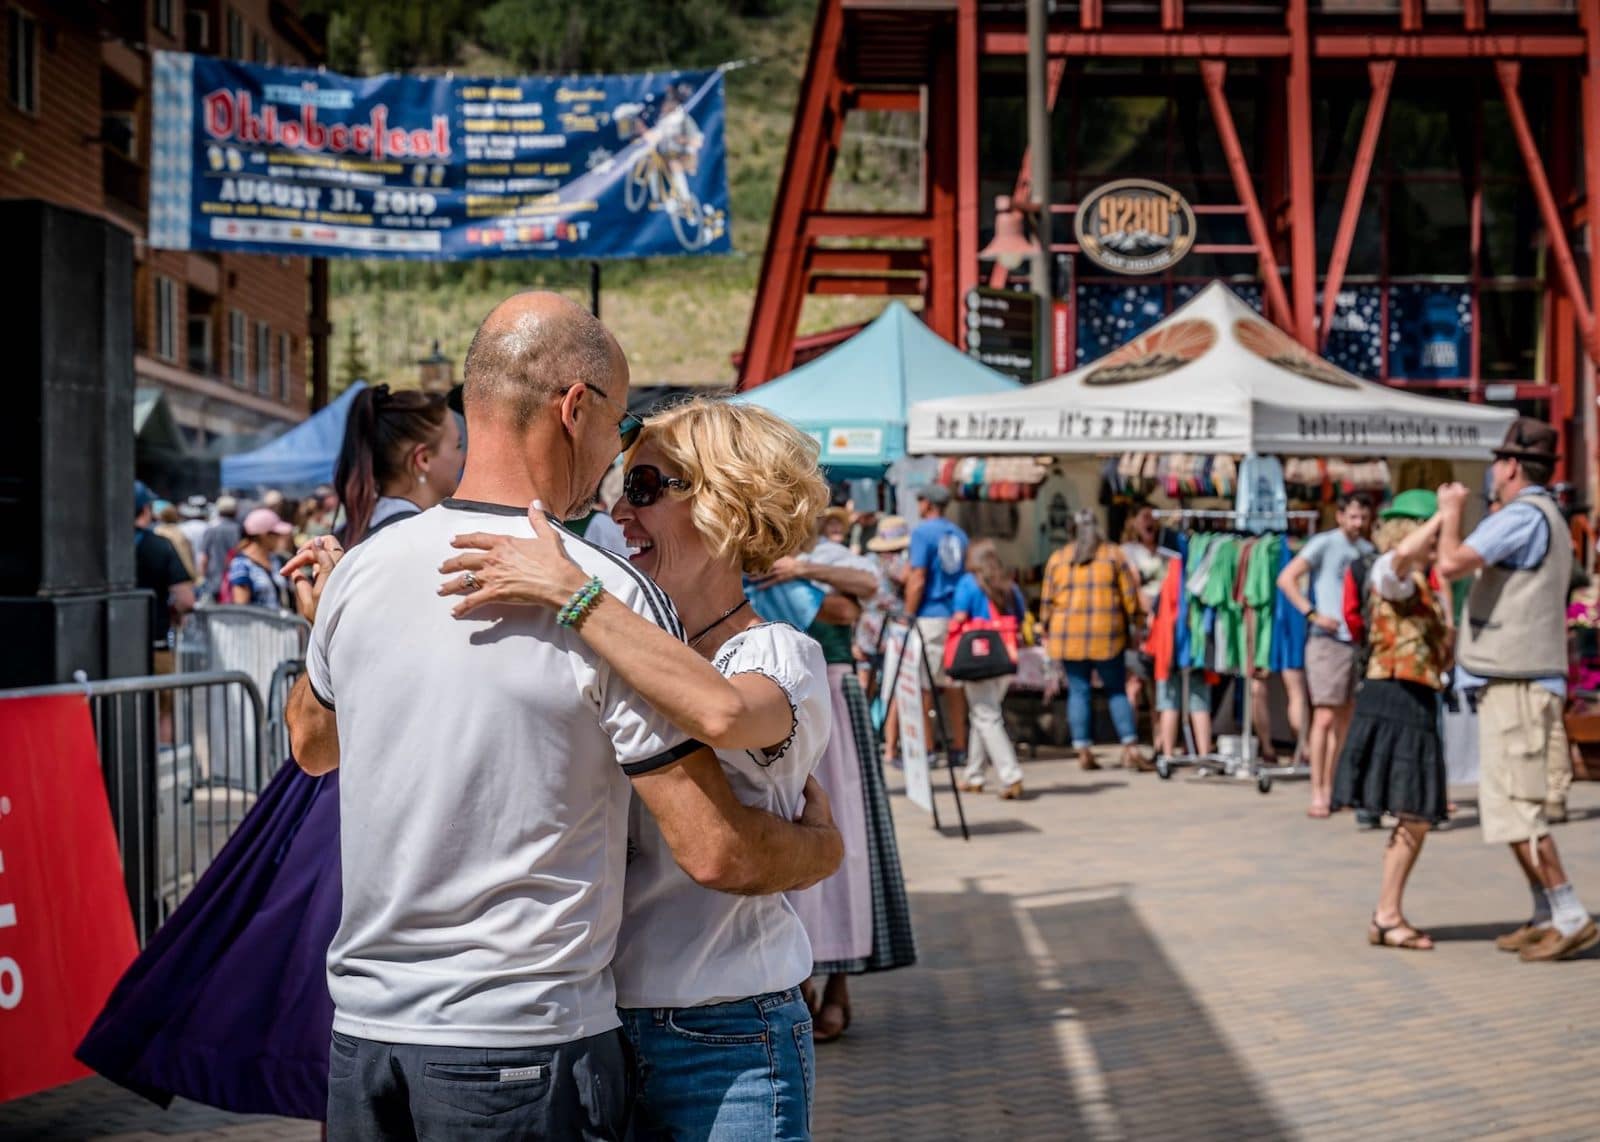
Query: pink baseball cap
[263, 521]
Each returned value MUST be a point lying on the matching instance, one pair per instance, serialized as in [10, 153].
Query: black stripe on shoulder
[315, 693]
[666, 614]
[482, 507]
[662, 760]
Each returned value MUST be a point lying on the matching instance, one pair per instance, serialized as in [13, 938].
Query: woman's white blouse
[682, 945]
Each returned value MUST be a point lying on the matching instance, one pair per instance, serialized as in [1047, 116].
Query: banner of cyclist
[279, 160]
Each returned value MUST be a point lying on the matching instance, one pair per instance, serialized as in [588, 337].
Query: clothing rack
[1247, 766]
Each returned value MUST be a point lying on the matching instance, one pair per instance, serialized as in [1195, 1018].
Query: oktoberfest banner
[280, 160]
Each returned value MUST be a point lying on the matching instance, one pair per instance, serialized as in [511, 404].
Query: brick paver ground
[1118, 957]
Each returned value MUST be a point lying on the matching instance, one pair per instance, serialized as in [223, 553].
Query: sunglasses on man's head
[644, 483]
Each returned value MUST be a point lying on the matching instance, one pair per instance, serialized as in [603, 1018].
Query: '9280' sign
[1134, 226]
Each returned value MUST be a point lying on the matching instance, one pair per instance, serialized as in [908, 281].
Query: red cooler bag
[981, 648]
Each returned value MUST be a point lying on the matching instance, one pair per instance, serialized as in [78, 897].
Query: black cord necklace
[722, 618]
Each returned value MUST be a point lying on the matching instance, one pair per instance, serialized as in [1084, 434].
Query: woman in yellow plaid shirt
[1088, 605]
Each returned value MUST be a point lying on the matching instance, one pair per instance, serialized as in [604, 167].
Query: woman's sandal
[1378, 937]
[818, 1034]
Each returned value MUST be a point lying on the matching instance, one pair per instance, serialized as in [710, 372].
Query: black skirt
[1393, 759]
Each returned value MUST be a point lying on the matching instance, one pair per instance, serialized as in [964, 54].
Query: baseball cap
[265, 521]
[227, 505]
[936, 494]
[143, 497]
[1417, 503]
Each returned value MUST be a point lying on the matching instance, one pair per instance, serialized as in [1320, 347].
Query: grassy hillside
[678, 318]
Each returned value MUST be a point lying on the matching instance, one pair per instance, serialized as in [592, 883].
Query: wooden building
[226, 338]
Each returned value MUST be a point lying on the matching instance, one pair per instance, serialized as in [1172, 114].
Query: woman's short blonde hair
[755, 491]
[1388, 534]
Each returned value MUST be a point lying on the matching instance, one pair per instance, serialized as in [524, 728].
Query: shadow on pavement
[1467, 933]
[959, 1046]
[1167, 1068]
[1072, 790]
[983, 1040]
[988, 828]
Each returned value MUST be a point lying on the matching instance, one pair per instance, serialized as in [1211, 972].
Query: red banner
[66, 933]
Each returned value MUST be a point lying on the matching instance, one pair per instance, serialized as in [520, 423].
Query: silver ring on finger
[470, 581]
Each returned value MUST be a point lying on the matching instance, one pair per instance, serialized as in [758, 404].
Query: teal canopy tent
[854, 397]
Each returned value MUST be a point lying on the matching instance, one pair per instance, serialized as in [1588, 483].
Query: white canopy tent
[1215, 376]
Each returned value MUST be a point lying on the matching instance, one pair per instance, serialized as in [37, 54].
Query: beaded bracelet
[579, 606]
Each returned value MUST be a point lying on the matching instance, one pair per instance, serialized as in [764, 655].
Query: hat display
[1530, 439]
[265, 521]
[936, 494]
[894, 534]
[1418, 503]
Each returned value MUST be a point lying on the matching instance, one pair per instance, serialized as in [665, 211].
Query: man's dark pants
[382, 1091]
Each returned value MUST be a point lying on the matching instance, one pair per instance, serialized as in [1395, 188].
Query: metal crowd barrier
[184, 758]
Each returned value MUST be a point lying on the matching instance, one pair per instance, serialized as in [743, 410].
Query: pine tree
[353, 362]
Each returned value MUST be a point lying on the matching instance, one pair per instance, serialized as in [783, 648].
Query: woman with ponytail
[402, 454]
[228, 1005]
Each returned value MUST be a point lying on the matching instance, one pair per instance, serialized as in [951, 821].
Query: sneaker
[1555, 812]
[1554, 946]
[1523, 937]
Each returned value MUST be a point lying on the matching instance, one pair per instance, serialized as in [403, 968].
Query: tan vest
[1515, 624]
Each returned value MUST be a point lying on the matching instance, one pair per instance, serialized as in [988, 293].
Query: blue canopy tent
[300, 459]
[854, 397]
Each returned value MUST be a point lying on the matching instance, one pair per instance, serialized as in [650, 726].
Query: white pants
[986, 732]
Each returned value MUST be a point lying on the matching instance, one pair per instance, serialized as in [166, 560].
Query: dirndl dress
[1393, 758]
[228, 1005]
[858, 919]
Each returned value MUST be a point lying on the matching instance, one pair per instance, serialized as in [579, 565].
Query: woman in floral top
[1392, 760]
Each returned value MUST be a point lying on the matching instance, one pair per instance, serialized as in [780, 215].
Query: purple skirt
[229, 1005]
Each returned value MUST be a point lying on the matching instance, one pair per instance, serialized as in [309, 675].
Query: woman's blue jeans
[1080, 689]
[726, 1072]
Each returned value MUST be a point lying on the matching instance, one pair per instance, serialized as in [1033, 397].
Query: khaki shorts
[1330, 671]
[934, 634]
[1520, 736]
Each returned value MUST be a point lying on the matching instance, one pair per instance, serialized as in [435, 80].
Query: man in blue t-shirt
[1330, 652]
[938, 560]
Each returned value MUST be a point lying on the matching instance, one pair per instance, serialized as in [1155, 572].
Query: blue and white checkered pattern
[172, 150]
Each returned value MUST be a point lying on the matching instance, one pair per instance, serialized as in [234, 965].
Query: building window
[263, 359]
[197, 30]
[235, 35]
[163, 10]
[285, 373]
[200, 360]
[22, 76]
[166, 318]
[238, 349]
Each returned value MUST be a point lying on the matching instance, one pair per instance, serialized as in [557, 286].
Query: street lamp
[1010, 245]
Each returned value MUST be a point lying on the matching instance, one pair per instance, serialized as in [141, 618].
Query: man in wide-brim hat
[1513, 650]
